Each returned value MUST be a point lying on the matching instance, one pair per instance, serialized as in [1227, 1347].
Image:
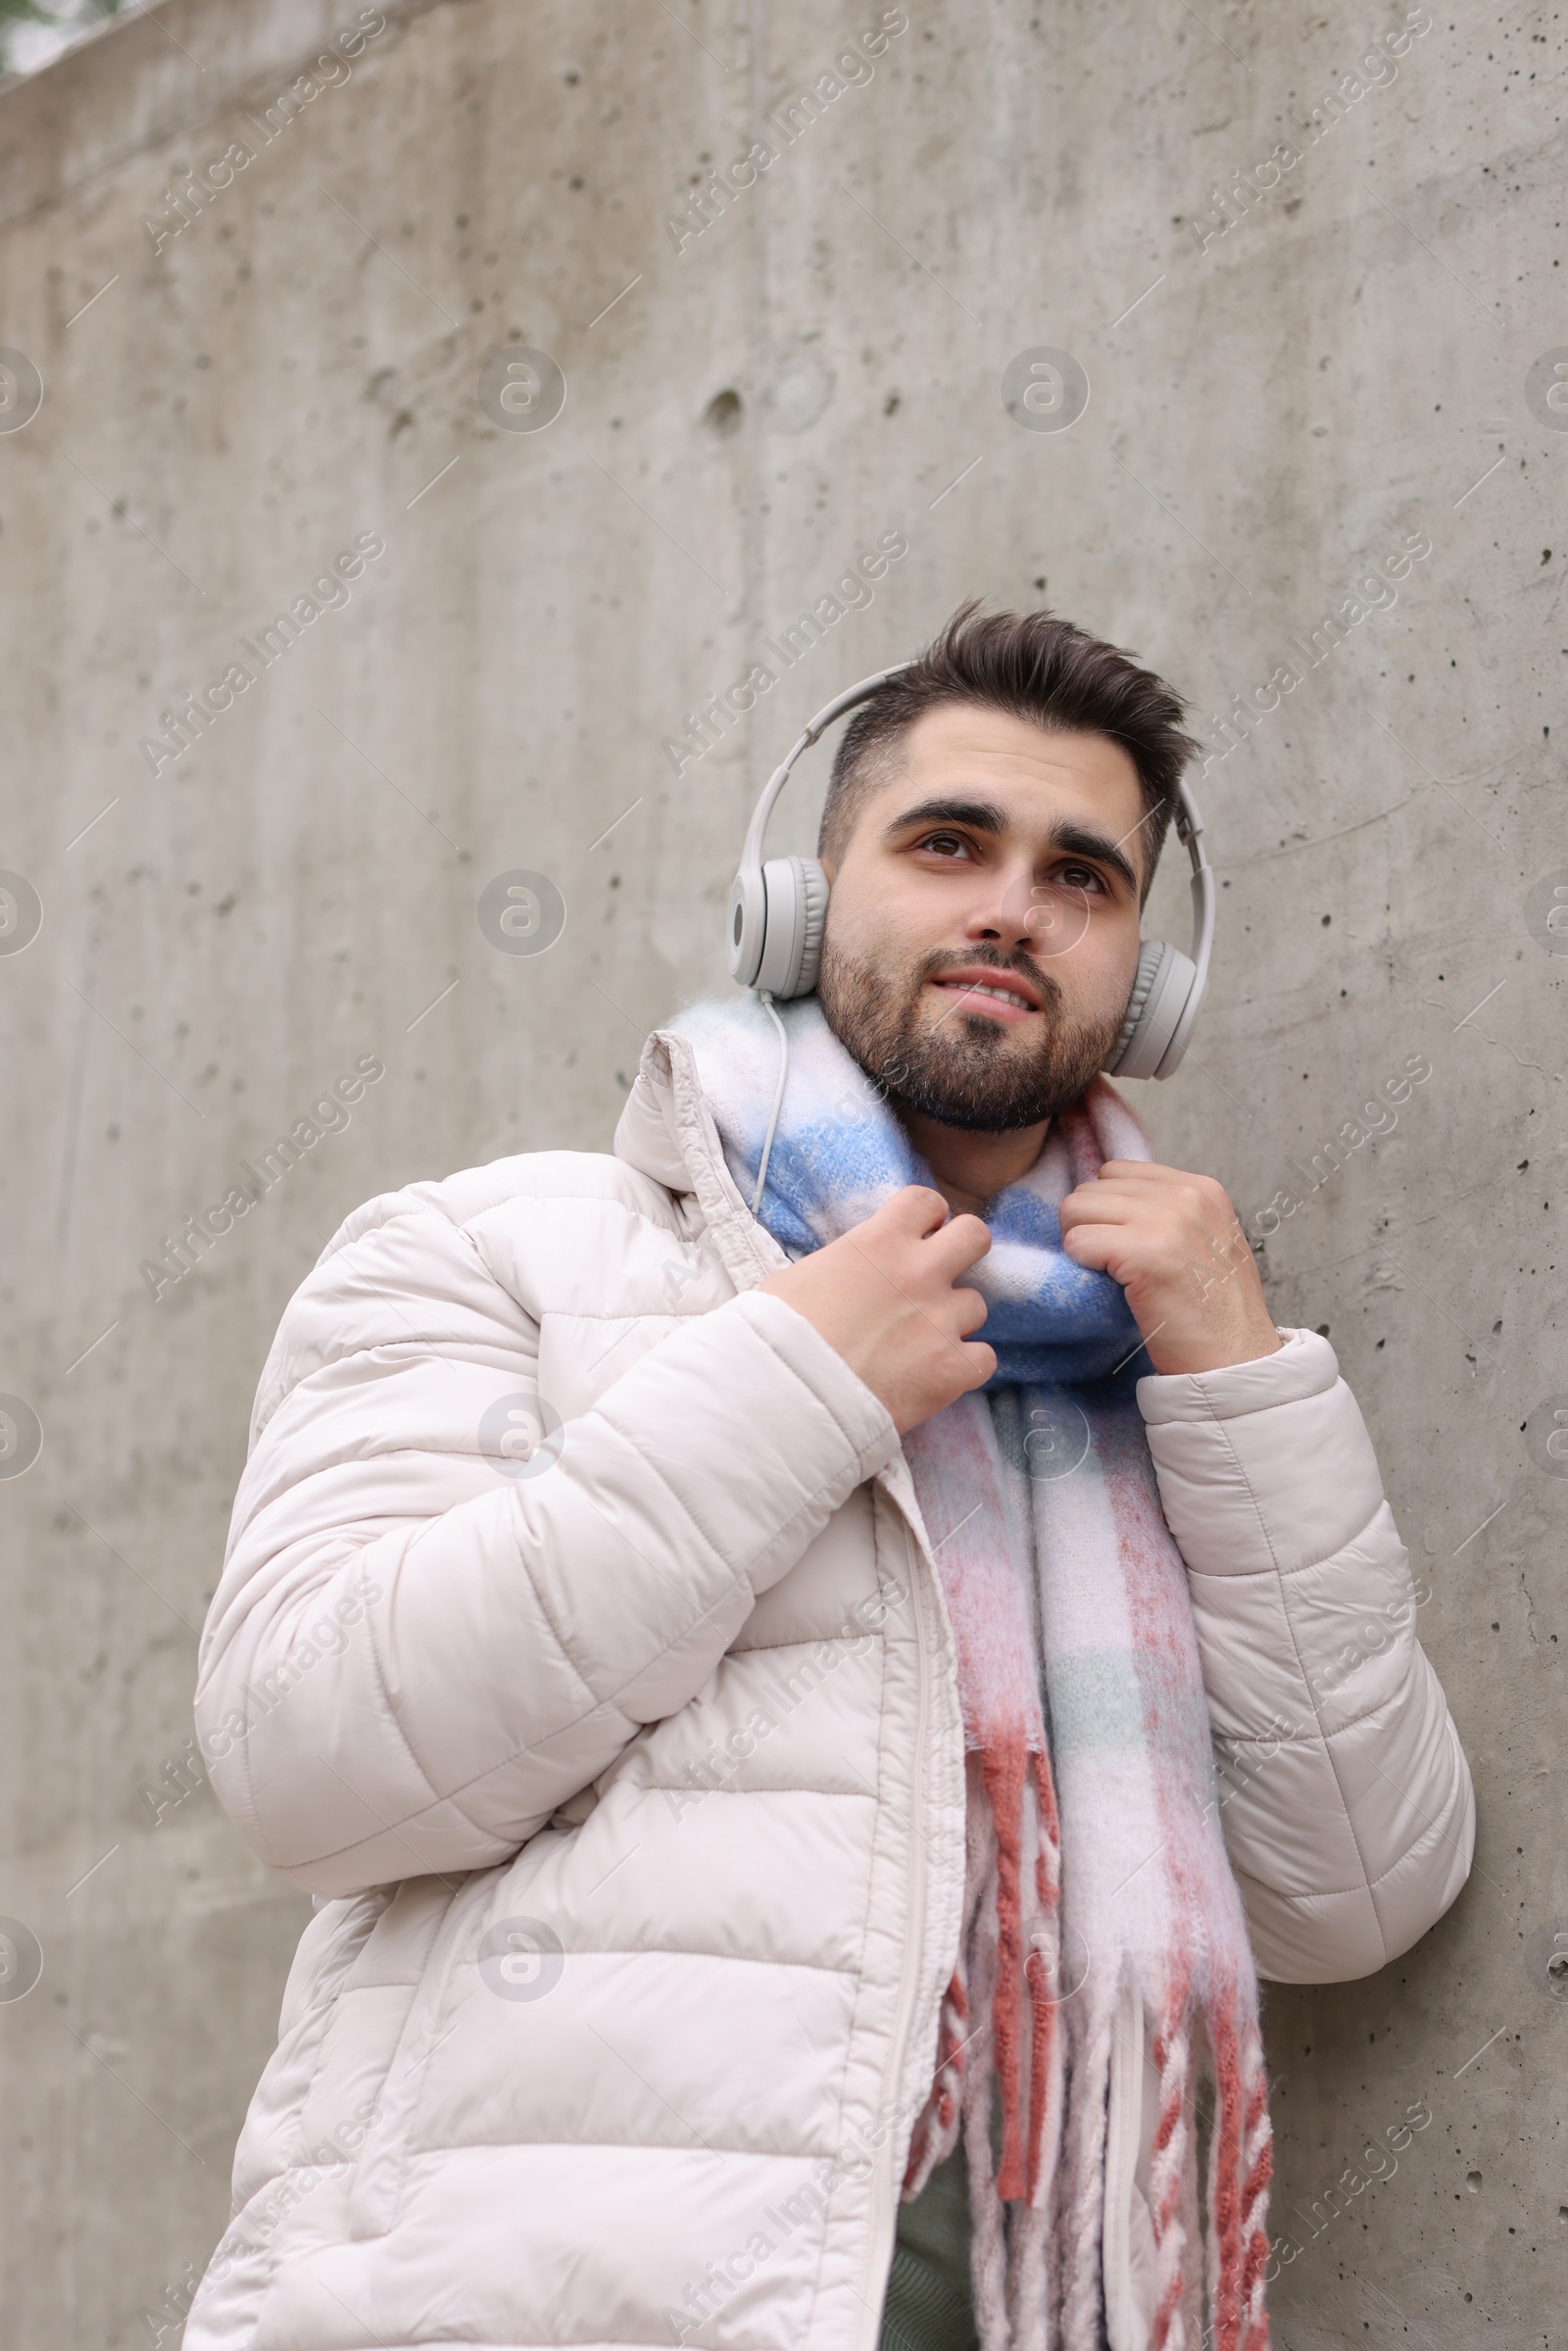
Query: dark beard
[968, 1071]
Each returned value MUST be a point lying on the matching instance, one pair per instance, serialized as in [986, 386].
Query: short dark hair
[1040, 669]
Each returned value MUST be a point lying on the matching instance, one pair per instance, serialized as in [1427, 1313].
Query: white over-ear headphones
[777, 911]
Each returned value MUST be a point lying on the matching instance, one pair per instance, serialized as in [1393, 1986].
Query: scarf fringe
[1240, 2165]
[1008, 2026]
[1028, 2260]
[1044, 1970]
[962, 2047]
[1172, 2158]
[1260, 2159]
[989, 2245]
[1084, 2156]
[1006, 1775]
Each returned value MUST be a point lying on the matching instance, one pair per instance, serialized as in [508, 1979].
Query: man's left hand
[1173, 1243]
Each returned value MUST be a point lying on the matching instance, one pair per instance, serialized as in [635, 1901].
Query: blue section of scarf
[839, 1152]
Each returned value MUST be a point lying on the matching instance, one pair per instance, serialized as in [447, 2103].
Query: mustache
[1022, 967]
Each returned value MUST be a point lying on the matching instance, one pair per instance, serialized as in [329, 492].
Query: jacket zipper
[884, 2219]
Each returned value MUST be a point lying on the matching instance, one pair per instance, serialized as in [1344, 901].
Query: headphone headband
[752, 852]
[778, 908]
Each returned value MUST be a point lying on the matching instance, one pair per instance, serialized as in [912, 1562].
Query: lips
[996, 995]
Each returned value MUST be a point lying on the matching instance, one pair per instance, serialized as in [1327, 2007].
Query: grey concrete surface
[241, 382]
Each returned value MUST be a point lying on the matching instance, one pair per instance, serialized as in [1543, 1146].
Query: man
[749, 1735]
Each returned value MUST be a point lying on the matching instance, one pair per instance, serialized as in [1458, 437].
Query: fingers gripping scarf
[1095, 1857]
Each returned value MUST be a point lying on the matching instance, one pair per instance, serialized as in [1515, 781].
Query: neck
[969, 1169]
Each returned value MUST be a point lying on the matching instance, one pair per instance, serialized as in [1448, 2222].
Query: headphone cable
[767, 996]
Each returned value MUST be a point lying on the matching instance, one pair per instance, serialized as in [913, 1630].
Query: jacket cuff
[1303, 1365]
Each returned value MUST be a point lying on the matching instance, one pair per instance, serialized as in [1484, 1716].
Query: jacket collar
[667, 1132]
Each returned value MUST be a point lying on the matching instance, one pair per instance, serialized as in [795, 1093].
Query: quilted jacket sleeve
[1346, 1802]
[412, 1659]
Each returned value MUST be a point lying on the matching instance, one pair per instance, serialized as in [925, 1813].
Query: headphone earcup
[1148, 1045]
[815, 887]
[795, 892]
[748, 924]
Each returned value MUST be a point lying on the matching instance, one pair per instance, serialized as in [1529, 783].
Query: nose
[1005, 917]
[1044, 920]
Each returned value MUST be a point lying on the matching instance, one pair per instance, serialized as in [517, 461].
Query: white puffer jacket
[631, 1785]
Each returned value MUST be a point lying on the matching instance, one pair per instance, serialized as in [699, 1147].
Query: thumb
[1091, 1245]
[915, 1210]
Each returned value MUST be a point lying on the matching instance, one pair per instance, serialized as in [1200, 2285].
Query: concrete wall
[1359, 363]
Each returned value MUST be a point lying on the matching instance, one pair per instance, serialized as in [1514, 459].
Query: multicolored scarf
[1095, 1859]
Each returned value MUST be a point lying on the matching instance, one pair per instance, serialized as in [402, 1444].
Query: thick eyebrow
[981, 815]
[985, 817]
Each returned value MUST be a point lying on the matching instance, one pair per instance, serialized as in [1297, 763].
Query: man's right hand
[883, 1297]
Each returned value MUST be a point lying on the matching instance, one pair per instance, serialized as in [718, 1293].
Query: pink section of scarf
[1046, 1582]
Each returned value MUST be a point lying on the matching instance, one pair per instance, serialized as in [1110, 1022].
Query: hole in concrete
[723, 415]
[1472, 2181]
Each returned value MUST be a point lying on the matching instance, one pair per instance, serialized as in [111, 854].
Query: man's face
[982, 934]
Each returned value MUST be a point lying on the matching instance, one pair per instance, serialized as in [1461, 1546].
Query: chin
[988, 1081]
[963, 1071]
